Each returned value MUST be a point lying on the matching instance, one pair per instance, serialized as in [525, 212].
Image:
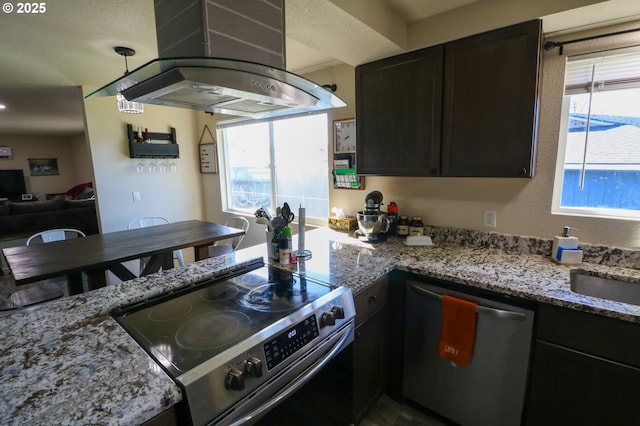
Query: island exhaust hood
[224, 56]
[221, 85]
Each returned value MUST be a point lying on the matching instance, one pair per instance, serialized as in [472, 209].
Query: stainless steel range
[240, 345]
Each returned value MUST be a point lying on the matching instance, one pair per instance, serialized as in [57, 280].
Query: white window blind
[612, 72]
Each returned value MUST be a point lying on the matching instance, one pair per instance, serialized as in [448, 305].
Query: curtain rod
[553, 44]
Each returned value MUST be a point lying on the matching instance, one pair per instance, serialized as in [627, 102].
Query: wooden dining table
[95, 254]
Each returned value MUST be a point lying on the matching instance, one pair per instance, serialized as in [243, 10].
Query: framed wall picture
[208, 160]
[43, 166]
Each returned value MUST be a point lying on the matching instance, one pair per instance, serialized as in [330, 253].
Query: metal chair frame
[237, 222]
[153, 221]
[48, 289]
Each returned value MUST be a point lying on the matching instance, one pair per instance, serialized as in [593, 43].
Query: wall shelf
[153, 150]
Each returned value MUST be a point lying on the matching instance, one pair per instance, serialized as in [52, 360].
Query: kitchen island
[69, 362]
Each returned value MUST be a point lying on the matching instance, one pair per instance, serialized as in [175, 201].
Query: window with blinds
[598, 167]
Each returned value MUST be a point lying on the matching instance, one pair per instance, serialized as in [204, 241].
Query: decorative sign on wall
[208, 158]
[43, 166]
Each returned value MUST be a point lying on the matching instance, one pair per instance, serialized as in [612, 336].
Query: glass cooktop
[184, 330]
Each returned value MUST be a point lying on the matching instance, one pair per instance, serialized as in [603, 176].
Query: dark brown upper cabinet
[465, 108]
[398, 105]
[490, 103]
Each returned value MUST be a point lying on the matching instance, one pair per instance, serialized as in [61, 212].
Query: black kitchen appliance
[372, 222]
[240, 345]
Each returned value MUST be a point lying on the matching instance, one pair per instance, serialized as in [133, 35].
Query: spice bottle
[403, 226]
[284, 246]
[392, 217]
[416, 227]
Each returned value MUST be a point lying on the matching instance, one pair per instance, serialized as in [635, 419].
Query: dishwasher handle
[500, 313]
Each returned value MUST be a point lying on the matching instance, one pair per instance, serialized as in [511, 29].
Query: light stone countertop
[506, 264]
[69, 362]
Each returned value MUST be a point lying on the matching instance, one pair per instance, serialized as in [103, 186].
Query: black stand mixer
[372, 223]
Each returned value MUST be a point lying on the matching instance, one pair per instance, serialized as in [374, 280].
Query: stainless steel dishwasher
[491, 390]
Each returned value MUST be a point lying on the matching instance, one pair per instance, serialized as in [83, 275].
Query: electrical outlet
[490, 218]
[136, 196]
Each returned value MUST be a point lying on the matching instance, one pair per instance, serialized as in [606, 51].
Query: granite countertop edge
[69, 362]
[532, 277]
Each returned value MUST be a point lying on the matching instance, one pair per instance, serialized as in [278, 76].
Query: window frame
[558, 181]
[224, 188]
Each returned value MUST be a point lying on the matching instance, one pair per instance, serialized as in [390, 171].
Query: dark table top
[98, 252]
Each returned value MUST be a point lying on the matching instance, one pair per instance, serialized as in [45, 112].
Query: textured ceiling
[71, 45]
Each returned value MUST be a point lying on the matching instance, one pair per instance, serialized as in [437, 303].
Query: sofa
[22, 219]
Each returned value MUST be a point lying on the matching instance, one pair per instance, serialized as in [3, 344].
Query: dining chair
[229, 245]
[52, 288]
[153, 221]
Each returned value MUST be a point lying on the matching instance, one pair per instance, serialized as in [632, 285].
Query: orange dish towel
[458, 330]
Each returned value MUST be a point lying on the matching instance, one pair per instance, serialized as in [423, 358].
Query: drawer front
[371, 300]
[594, 334]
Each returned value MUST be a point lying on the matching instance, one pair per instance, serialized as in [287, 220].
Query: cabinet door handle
[373, 299]
[500, 313]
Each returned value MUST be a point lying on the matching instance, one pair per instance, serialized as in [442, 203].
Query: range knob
[234, 380]
[327, 318]
[253, 367]
[338, 311]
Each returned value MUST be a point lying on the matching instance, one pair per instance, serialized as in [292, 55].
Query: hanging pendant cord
[553, 44]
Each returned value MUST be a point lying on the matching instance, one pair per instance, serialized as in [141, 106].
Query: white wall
[175, 196]
[71, 153]
[81, 158]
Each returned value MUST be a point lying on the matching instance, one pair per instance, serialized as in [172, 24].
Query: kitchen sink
[584, 282]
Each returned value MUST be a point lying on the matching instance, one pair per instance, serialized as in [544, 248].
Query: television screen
[12, 184]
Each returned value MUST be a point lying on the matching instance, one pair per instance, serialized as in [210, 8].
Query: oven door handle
[299, 381]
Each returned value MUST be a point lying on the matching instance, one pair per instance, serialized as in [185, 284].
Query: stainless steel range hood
[221, 85]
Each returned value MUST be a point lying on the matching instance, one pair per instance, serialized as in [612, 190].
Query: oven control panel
[290, 341]
[283, 346]
[283, 350]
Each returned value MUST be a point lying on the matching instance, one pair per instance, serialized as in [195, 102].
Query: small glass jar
[403, 226]
[416, 227]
